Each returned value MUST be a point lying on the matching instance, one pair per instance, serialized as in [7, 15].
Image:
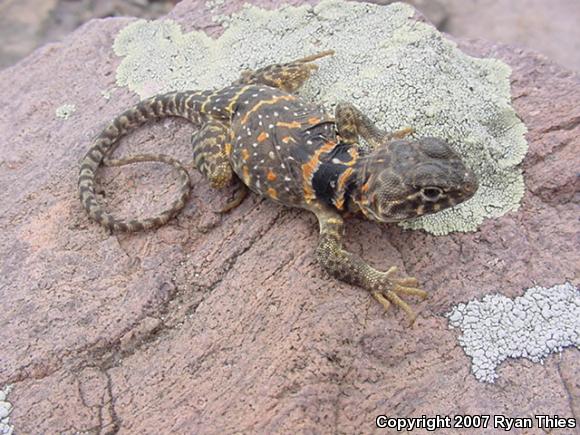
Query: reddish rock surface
[27, 24]
[550, 27]
[218, 324]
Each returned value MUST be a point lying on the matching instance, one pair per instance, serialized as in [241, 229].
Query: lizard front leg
[352, 123]
[351, 268]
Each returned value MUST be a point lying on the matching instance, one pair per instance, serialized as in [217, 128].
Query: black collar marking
[325, 179]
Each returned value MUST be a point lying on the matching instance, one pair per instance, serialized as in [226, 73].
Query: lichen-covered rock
[220, 324]
[399, 71]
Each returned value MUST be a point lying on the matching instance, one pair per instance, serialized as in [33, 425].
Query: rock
[27, 24]
[434, 10]
[221, 324]
[20, 25]
[548, 27]
[531, 335]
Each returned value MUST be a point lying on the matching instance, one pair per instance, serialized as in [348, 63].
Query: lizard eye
[431, 193]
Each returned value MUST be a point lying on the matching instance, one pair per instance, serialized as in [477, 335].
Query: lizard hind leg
[211, 157]
[239, 195]
[211, 150]
[286, 76]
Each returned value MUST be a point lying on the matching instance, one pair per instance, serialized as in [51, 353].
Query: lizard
[259, 135]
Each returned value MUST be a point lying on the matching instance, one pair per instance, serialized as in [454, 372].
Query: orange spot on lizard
[293, 124]
[272, 193]
[271, 175]
[246, 175]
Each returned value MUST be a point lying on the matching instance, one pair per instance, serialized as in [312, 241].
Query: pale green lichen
[159, 58]
[106, 94]
[65, 111]
[399, 71]
[214, 4]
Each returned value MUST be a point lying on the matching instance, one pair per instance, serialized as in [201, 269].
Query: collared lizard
[258, 134]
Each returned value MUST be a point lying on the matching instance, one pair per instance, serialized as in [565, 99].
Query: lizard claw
[391, 289]
[408, 282]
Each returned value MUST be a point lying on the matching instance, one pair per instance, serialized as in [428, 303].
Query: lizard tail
[98, 155]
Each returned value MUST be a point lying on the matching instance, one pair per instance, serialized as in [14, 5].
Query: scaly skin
[258, 134]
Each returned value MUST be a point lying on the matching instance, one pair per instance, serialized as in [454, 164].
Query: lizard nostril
[471, 186]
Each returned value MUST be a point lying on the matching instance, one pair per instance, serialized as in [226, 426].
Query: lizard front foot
[390, 289]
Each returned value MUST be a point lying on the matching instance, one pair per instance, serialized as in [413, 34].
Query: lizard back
[278, 143]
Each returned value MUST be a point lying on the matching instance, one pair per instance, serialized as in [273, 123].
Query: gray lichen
[160, 58]
[399, 71]
[213, 4]
[541, 322]
[106, 94]
[5, 409]
[65, 111]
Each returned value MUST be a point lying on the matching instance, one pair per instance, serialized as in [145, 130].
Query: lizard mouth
[368, 210]
[370, 214]
[374, 212]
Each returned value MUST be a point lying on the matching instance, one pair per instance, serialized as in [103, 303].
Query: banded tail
[181, 104]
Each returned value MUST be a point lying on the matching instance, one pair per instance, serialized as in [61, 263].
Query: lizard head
[405, 178]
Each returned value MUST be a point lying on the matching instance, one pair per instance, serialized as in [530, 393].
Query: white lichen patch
[106, 94]
[5, 409]
[214, 4]
[541, 322]
[65, 111]
[398, 71]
